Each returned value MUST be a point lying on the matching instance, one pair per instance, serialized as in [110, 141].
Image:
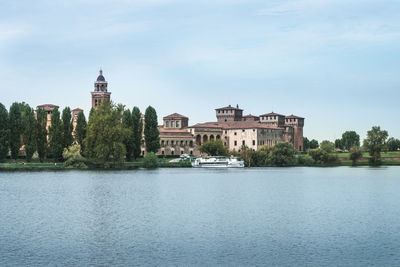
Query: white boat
[217, 162]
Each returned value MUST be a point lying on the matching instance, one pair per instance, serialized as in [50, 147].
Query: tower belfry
[100, 92]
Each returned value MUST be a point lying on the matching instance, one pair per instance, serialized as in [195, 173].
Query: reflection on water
[268, 216]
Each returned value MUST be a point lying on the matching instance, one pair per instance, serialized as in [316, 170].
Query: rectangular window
[235, 133]
[235, 143]
[167, 124]
[254, 142]
[243, 130]
[243, 143]
[177, 124]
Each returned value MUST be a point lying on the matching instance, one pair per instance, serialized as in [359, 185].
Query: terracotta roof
[236, 125]
[176, 136]
[76, 109]
[207, 125]
[294, 117]
[229, 107]
[250, 116]
[175, 115]
[272, 114]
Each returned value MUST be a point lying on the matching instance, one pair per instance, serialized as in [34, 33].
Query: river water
[339, 216]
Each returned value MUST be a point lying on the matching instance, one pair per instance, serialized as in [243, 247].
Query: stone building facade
[100, 92]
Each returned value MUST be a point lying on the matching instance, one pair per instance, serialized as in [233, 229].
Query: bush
[355, 154]
[73, 157]
[321, 156]
[305, 160]
[150, 161]
[283, 154]
[214, 148]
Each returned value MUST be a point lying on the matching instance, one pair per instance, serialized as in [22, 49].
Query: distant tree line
[111, 135]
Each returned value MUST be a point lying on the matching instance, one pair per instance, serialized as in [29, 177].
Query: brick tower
[100, 92]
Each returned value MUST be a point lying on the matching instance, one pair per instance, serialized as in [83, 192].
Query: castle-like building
[233, 128]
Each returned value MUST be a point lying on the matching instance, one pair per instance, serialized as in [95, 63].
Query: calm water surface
[274, 216]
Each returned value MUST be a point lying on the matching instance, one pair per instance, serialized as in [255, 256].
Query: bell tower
[100, 92]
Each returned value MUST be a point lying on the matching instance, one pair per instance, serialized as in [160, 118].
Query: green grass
[395, 154]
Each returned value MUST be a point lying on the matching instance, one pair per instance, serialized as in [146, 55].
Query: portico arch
[205, 138]
[198, 140]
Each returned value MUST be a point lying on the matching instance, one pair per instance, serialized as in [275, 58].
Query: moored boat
[217, 162]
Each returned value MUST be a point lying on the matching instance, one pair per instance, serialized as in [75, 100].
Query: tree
[327, 146]
[393, 144]
[80, 129]
[56, 140]
[283, 154]
[314, 144]
[151, 133]
[4, 132]
[73, 157]
[375, 143]
[350, 139]
[355, 154]
[41, 133]
[67, 127]
[247, 155]
[105, 135]
[214, 148]
[137, 129]
[29, 131]
[127, 123]
[306, 143]
[321, 156]
[91, 113]
[339, 144]
[16, 129]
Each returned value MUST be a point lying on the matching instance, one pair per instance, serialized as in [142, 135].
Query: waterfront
[266, 216]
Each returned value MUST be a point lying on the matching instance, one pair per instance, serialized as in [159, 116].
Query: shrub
[283, 154]
[355, 154]
[305, 160]
[150, 161]
[73, 157]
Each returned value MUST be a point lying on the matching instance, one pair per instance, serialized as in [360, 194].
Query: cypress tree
[4, 132]
[41, 133]
[29, 131]
[67, 127]
[128, 141]
[80, 130]
[92, 110]
[15, 122]
[56, 135]
[151, 133]
[137, 129]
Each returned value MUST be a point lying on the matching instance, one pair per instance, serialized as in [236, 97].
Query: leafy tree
[306, 143]
[4, 132]
[73, 157]
[151, 133]
[214, 148]
[67, 127]
[393, 144]
[355, 154]
[261, 157]
[105, 135]
[127, 123]
[150, 160]
[305, 160]
[350, 139]
[56, 140]
[327, 146]
[283, 154]
[137, 129]
[247, 155]
[339, 144]
[16, 129]
[375, 143]
[91, 113]
[29, 131]
[80, 129]
[41, 133]
[314, 144]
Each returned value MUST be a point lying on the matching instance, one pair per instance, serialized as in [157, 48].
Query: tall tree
[41, 133]
[29, 131]
[91, 112]
[151, 133]
[283, 154]
[137, 131]
[67, 127]
[105, 135]
[375, 143]
[314, 144]
[350, 139]
[127, 123]
[393, 144]
[4, 132]
[327, 146]
[306, 143]
[56, 135]
[339, 144]
[15, 122]
[80, 130]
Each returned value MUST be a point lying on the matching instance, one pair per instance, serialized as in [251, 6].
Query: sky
[334, 62]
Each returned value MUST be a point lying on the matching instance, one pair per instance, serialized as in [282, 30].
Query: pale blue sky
[336, 63]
